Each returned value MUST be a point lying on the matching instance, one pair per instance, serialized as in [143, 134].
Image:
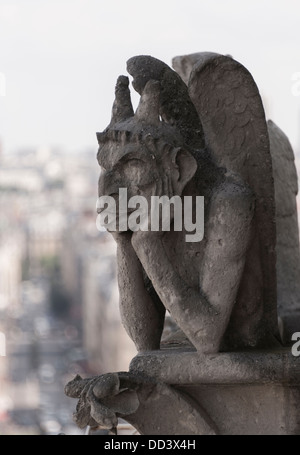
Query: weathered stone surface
[224, 371]
[244, 392]
[257, 367]
[184, 64]
[233, 120]
[150, 406]
[173, 391]
[285, 186]
[287, 239]
[235, 304]
[250, 409]
[175, 105]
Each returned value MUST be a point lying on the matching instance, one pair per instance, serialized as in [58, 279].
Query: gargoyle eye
[131, 160]
[134, 161]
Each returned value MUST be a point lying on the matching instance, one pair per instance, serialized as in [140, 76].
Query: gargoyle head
[141, 152]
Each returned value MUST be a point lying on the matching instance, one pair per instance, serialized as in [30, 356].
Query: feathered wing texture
[287, 247]
[183, 64]
[235, 130]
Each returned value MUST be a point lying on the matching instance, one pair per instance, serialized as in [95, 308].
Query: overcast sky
[61, 58]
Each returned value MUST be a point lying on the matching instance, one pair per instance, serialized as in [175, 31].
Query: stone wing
[235, 130]
[287, 232]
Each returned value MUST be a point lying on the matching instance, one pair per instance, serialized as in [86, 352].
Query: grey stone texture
[225, 370]
[172, 152]
[287, 232]
[285, 186]
[150, 406]
[254, 392]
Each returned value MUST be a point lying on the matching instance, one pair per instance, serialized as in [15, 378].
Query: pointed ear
[184, 167]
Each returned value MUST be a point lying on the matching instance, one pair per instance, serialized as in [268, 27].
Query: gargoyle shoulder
[231, 213]
[234, 194]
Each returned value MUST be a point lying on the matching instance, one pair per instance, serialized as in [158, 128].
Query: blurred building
[90, 277]
[54, 198]
[11, 254]
[53, 262]
[45, 230]
[104, 336]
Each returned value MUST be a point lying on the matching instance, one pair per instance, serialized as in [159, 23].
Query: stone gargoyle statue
[201, 132]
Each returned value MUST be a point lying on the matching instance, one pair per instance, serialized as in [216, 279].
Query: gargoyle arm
[142, 317]
[203, 313]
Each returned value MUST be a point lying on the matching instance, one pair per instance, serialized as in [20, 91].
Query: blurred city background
[59, 311]
[59, 60]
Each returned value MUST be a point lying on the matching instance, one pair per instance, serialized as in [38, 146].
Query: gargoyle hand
[101, 400]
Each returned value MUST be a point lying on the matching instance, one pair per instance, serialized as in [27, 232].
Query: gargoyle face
[130, 167]
[141, 153]
[147, 168]
[143, 172]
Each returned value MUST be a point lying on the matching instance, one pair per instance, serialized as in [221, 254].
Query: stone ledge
[184, 367]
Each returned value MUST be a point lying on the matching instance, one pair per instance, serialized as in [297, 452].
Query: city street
[42, 355]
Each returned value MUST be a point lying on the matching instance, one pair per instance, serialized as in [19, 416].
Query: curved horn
[122, 108]
[148, 108]
[176, 106]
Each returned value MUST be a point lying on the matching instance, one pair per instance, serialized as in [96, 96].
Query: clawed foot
[101, 400]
